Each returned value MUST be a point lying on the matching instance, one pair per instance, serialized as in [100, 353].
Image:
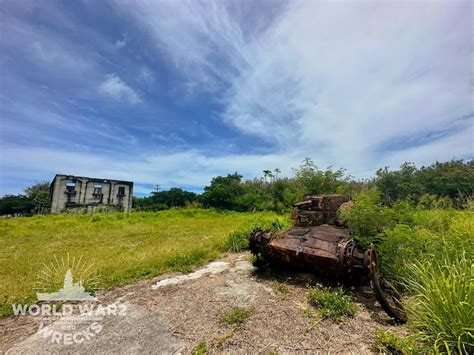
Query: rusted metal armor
[320, 243]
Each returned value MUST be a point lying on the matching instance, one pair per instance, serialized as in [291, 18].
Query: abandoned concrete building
[89, 195]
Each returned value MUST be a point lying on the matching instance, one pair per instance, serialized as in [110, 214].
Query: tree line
[440, 185]
[34, 200]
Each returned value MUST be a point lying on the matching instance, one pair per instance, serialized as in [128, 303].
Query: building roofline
[92, 179]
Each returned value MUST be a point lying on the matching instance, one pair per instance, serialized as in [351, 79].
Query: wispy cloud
[186, 168]
[114, 87]
[122, 42]
[146, 77]
[191, 167]
[213, 87]
[330, 80]
[204, 40]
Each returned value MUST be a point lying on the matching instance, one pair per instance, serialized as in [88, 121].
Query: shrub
[236, 316]
[447, 181]
[389, 342]
[430, 201]
[367, 218]
[441, 309]
[238, 240]
[331, 304]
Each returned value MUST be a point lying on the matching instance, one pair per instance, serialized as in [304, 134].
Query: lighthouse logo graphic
[69, 292]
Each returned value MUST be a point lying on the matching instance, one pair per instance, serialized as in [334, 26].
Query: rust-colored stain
[320, 243]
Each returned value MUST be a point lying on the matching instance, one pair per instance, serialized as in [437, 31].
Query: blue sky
[176, 92]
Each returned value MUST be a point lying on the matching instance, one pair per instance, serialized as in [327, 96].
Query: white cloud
[201, 39]
[50, 53]
[173, 169]
[115, 88]
[146, 77]
[336, 81]
[191, 167]
[43, 49]
[122, 42]
[331, 80]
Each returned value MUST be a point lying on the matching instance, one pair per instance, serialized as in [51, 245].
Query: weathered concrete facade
[89, 195]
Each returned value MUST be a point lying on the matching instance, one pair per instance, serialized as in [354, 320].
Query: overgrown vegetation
[271, 192]
[441, 309]
[368, 218]
[391, 343]
[238, 240]
[332, 304]
[120, 247]
[163, 200]
[34, 201]
[441, 185]
[429, 255]
[236, 316]
[420, 218]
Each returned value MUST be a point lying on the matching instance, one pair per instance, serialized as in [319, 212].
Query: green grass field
[117, 248]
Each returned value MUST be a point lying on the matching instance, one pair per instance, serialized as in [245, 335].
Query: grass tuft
[220, 342]
[332, 304]
[184, 262]
[237, 316]
[200, 349]
[390, 343]
[282, 289]
[442, 308]
[238, 240]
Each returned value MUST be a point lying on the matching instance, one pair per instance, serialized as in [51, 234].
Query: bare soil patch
[178, 316]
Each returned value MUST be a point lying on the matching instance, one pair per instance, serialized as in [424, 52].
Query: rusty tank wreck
[320, 243]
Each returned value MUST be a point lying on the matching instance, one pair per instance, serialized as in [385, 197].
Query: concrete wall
[84, 197]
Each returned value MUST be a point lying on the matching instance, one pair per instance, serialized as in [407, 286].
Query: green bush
[332, 304]
[428, 254]
[430, 201]
[444, 182]
[391, 343]
[367, 218]
[441, 309]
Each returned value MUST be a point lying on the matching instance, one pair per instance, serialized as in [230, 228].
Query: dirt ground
[174, 314]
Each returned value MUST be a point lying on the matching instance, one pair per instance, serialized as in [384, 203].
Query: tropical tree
[39, 195]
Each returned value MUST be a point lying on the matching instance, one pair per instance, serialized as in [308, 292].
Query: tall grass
[429, 254]
[432, 260]
[442, 306]
[432, 236]
[119, 247]
[238, 240]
